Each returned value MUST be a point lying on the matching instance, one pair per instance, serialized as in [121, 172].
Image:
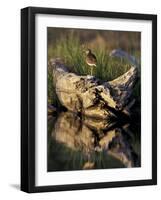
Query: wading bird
[91, 59]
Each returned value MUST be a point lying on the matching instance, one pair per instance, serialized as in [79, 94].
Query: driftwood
[90, 96]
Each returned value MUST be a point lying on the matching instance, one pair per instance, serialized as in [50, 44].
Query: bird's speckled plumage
[91, 58]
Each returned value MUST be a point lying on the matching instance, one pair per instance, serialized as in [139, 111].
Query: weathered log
[92, 97]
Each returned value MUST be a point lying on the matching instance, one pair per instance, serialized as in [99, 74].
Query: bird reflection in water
[76, 143]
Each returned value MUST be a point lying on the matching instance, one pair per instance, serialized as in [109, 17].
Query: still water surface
[76, 143]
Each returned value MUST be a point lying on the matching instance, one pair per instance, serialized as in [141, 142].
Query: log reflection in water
[89, 136]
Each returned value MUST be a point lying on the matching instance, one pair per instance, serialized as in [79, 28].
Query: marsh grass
[72, 52]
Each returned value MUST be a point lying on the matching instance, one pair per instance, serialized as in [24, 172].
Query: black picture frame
[28, 98]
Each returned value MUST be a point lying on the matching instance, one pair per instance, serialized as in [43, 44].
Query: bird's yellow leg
[91, 71]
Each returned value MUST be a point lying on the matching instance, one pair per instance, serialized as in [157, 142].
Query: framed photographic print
[88, 99]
